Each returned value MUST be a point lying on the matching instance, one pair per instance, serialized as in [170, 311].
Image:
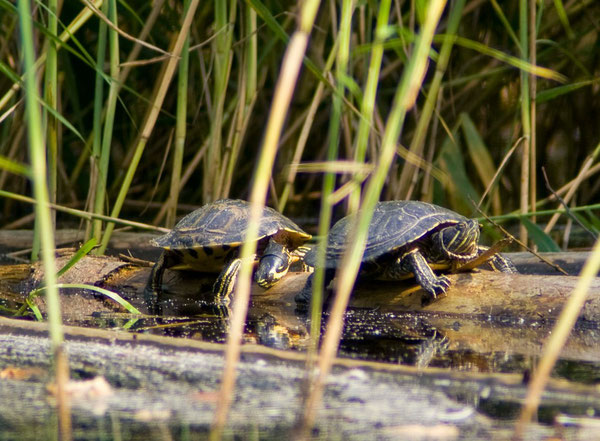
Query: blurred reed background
[150, 109]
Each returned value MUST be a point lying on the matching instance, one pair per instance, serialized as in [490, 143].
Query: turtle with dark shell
[405, 237]
[209, 240]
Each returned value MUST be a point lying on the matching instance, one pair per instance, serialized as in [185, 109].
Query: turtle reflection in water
[404, 237]
[209, 240]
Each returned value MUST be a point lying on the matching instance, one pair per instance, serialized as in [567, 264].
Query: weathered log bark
[482, 312]
[166, 383]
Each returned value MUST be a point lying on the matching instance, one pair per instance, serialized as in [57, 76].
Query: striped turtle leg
[414, 262]
[274, 264]
[499, 262]
[166, 260]
[225, 283]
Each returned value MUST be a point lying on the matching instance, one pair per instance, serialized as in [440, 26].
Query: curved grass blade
[543, 241]
[111, 295]
[81, 252]
[480, 155]
[14, 167]
[555, 92]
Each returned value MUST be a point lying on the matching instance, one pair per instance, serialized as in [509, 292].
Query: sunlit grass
[500, 92]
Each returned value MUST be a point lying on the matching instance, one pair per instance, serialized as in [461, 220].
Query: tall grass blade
[180, 129]
[368, 101]
[404, 99]
[481, 157]
[406, 182]
[525, 116]
[95, 227]
[544, 243]
[557, 339]
[284, 88]
[225, 13]
[81, 252]
[151, 116]
[343, 51]
[37, 155]
[51, 97]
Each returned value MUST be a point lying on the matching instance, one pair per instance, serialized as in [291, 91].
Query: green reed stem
[37, 156]
[557, 339]
[212, 185]
[180, 129]
[38, 165]
[51, 91]
[96, 227]
[525, 115]
[151, 116]
[532, 39]
[343, 53]
[246, 98]
[368, 101]
[107, 133]
[284, 88]
[404, 99]
[73, 27]
[406, 181]
[305, 132]
[83, 214]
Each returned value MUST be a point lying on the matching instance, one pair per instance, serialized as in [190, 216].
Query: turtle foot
[436, 286]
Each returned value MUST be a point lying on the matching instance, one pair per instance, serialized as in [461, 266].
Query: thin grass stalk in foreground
[180, 129]
[109, 118]
[405, 183]
[211, 183]
[343, 51]
[83, 214]
[304, 132]
[151, 116]
[573, 188]
[404, 99]
[94, 229]
[532, 106]
[558, 338]
[525, 115]
[284, 88]
[51, 96]
[247, 80]
[38, 165]
[367, 104]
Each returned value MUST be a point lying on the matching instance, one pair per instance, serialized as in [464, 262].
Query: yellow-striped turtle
[209, 239]
[404, 236]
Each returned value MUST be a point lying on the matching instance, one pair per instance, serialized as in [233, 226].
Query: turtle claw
[437, 286]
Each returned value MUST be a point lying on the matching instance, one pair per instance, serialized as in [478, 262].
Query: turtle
[405, 237]
[209, 240]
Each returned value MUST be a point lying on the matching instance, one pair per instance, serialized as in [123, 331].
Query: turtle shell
[214, 231]
[395, 224]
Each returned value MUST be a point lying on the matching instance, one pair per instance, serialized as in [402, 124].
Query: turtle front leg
[414, 262]
[499, 262]
[166, 260]
[225, 283]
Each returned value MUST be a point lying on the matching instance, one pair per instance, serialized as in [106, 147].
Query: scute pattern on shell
[224, 223]
[395, 224]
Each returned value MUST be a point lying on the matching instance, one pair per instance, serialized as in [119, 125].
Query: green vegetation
[458, 103]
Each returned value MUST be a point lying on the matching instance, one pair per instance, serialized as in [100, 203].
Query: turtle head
[274, 264]
[457, 242]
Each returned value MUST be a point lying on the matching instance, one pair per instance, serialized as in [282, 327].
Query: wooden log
[483, 312]
[483, 294]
